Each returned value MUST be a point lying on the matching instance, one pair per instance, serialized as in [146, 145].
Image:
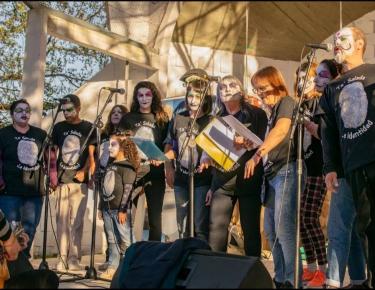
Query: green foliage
[68, 65]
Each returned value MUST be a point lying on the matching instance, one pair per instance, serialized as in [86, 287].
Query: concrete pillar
[34, 63]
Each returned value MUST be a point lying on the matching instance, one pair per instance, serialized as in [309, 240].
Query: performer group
[338, 156]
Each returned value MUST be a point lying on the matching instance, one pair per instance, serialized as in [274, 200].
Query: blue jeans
[26, 210]
[344, 247]
[201, 211]
[118, 236]
[277, 206]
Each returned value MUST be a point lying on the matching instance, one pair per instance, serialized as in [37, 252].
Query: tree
[68, 65]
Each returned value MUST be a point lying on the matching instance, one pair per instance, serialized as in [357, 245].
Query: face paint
[309, 83]
[344, 44]
[323, 77]
[21, 114]
[116, 116]
[193, 98]
[144, 97]
[70, 112]
[229, 91]
[114, 148]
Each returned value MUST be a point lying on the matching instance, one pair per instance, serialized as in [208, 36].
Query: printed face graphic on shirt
[70, 150]
[116, 116]
[144, 97]
[21, 114]
[27, 152]
[104, 153]
[353, 102]
[306, 140]
[309, 83]
[344, 44]
[146, 133]
[229, 91]
[114, 148]
[109, 184]
[322, 78]
[185, 160]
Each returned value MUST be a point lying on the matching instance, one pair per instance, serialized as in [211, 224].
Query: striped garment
[5, 229]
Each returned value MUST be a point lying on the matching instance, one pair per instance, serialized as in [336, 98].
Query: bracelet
[258, 154]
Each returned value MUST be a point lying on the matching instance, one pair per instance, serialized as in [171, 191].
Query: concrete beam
[78, 31]
[34, 63]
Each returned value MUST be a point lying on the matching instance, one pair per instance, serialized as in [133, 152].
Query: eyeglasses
[69, 110]
[261, 90]
[19, 110]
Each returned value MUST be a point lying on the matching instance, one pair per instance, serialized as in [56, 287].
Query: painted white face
[21, 114]
[114, 147]
[193, 99]
[344, 44]
[309, 83]
[116, 116]
[144, 97]
[70, 112]
[229, 91]
[323, 77]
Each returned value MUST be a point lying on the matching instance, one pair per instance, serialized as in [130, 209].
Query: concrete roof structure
[276, 29]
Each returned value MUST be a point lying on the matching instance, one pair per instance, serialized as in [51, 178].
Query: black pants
[222, 205]
[362, 182]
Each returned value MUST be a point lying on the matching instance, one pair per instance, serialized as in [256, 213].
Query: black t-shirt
[348, 120]
[118, 183]
[255, 119]
[178, 130]
[312, 147]
[19, 152]
[278, 156]
[144, 126]
[70, 138]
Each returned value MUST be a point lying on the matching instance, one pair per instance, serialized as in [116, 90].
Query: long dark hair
[109, 128]
[156, 107]
[333, 67]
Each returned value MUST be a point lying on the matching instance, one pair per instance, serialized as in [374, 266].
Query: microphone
[325, 46]
[114, 90]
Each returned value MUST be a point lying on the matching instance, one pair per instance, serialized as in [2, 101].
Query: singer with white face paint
[229, 186]
[174, 144]
[148, 120]
[21, 176]
[348, 123]
[280, 168]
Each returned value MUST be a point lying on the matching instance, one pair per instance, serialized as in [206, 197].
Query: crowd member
[147, 120]
[174, 144]
[280, 174]
[312, 199]
[344, 244]
[119, 179]
[10, 243]
[113, 121]
[22, 178]
[229, 186]
[72, 174]
[348, 116]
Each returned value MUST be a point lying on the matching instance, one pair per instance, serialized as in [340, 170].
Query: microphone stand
[189, 142]
[47, 142]
[298, 122]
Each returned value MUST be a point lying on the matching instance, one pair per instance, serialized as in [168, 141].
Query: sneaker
[73, 265]
[287, 285]
[108, 274]
[104, 266]
[278, 285]
[318, 281]
[307, 275]
[62, 266]
[364, 285]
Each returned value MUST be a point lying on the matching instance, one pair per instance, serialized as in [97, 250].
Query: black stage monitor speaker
[207, 269]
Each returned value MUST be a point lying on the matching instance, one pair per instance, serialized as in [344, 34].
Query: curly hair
[109, 128]
[128, 147]
[156, 106]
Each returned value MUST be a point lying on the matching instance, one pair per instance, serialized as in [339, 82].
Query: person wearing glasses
[280, 167]
[21, 176]
[228, 186]
[73, 172]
